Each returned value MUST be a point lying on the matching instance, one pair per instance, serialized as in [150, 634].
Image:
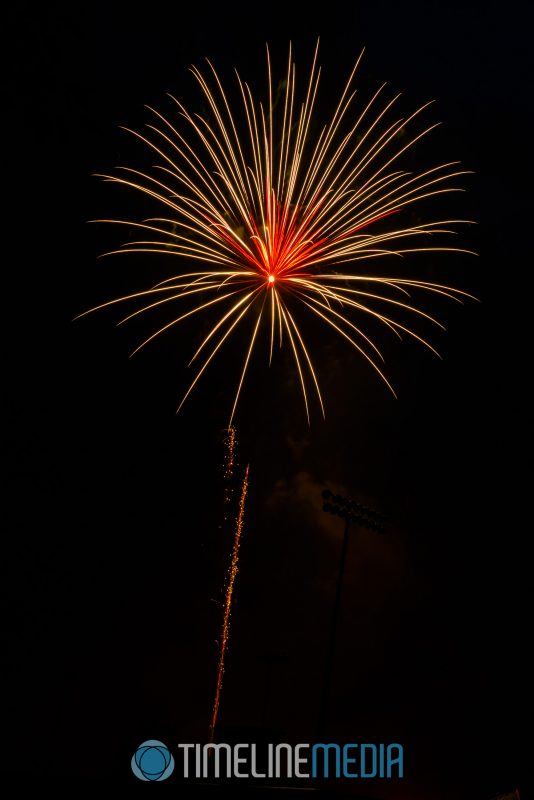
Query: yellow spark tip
[271, 279]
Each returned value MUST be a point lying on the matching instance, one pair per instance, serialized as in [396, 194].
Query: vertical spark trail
[230, 583]
[229, 462]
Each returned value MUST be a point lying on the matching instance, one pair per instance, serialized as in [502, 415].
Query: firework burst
[266, 213]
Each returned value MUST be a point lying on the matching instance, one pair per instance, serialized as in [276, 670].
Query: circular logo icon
[152, 761]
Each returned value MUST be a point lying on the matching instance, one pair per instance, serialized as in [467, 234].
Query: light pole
[350, 511]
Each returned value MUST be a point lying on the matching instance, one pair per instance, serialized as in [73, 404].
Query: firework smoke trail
[230, 584]
[278, 209]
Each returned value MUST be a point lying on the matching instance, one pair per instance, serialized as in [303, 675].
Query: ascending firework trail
[229, 470]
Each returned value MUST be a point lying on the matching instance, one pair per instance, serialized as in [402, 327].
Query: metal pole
[332, 641]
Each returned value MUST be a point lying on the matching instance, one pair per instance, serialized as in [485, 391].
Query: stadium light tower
[352, 512]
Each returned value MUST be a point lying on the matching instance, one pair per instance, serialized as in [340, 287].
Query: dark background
[113, 554]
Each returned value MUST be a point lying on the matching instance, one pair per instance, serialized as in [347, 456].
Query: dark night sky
[113, 554]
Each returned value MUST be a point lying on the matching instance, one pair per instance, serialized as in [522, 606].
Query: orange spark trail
[229, 463]
[232, 574]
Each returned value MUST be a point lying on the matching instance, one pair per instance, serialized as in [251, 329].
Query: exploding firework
[280, 215]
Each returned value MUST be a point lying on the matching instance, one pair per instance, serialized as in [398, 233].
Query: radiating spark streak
[375, 151]
[389, 322]
[390, 200]
[431, 287]
[200, 276]
[128, 297]
[437, 289]
[319, 155]
[269, 200]
[198, 219]
[192, 160]
[220, 323]
[400, 253]
[308, 359]
[283, 142]
[354, 173]
[212, 354]
[385, 299]
[207, 288]
[273, 314]
[227, 611]
[347, 321]
[355, 344]
[297, 360]
[180, 318]
[247, 359]
[167, 252]
[280, 326]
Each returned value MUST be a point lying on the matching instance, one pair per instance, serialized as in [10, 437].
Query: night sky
[114, 555]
